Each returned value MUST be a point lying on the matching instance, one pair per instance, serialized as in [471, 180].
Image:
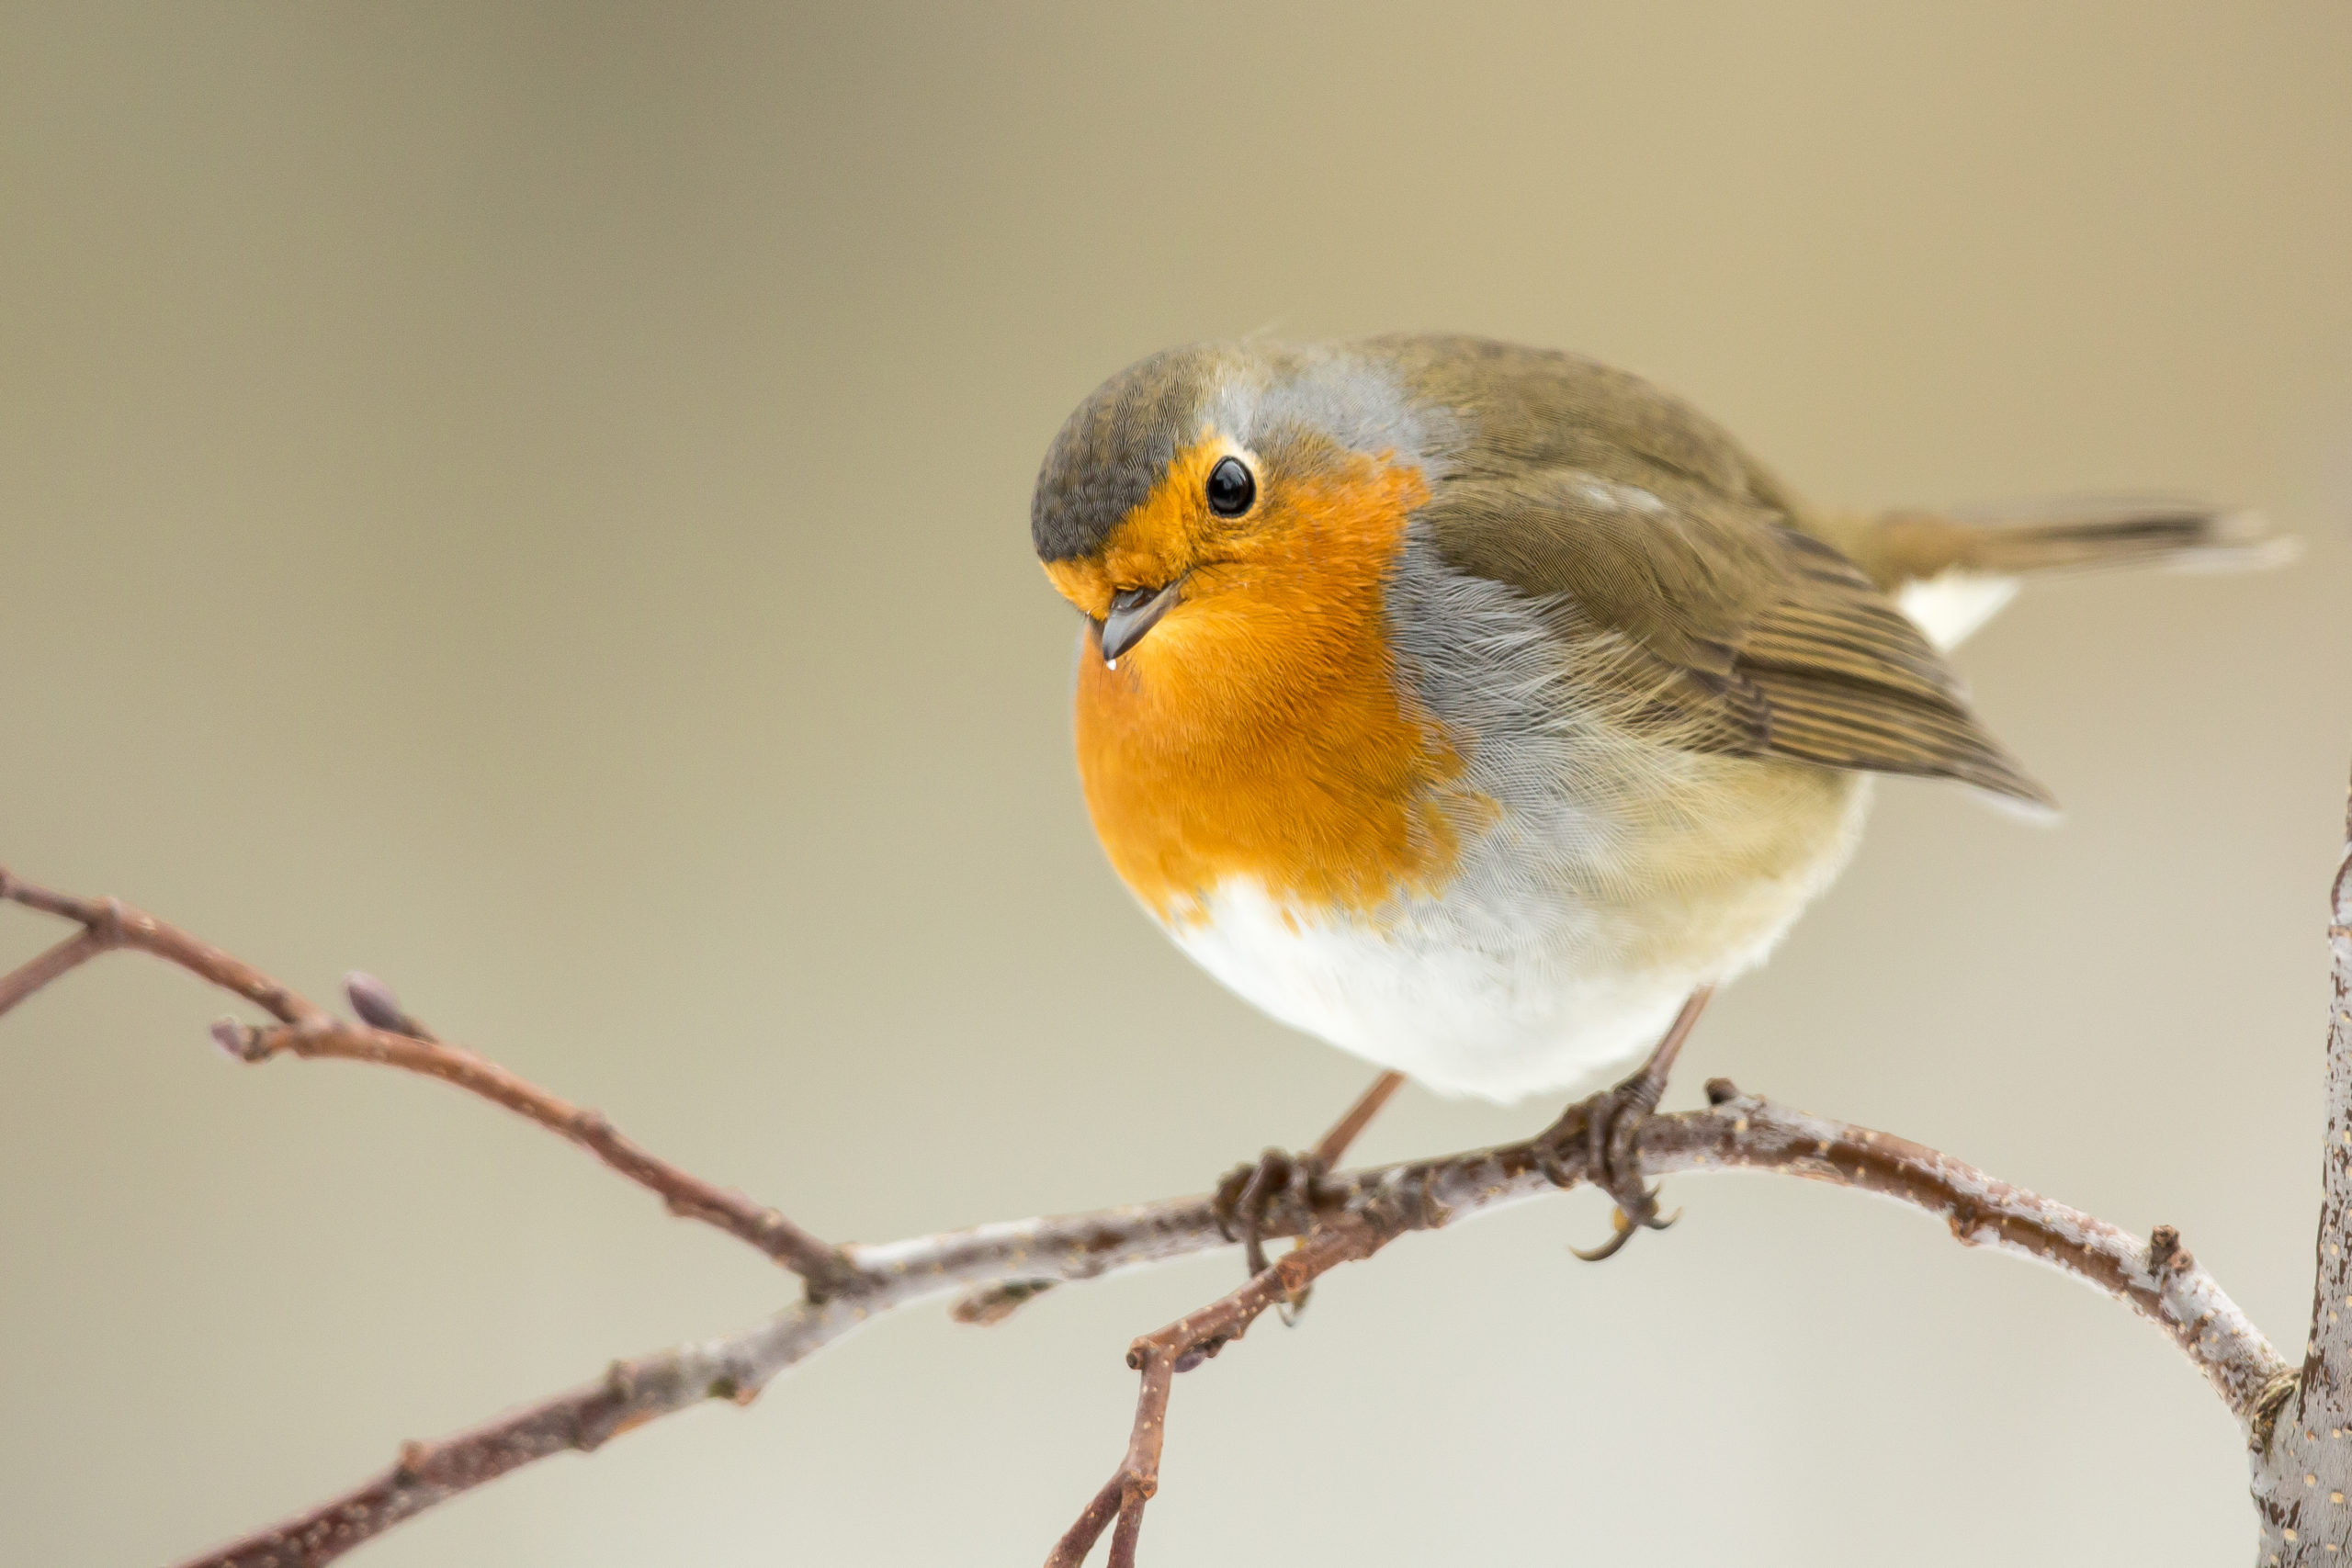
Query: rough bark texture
[2302, 1446]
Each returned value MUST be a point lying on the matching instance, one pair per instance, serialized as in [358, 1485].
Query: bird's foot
[1602, 1128]
[1248, 1198]
[1253, 1193]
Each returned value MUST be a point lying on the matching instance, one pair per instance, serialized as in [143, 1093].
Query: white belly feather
[1500, 1022]
[1505, 987]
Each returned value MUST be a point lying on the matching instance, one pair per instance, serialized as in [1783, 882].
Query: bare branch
[306, 1029]
[2165, 1285]
[1342, 1218]
[2158, 1280]
[2301, 1459]
[630, 1394]
[686, 1195]
[112, 924]
[62, 959]
[1184, 1345]
[1359, 1210]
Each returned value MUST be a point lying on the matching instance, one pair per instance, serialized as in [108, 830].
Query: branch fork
[1179, 1347]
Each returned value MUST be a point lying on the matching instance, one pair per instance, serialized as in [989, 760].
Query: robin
[1479, 708]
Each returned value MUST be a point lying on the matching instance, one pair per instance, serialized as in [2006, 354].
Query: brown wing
[1732, 631]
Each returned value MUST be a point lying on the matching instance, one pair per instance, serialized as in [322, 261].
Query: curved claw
[1609, 1135]
[1626, 1226]
[1610, 1249]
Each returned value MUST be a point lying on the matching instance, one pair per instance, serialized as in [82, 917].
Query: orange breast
[1260, 731]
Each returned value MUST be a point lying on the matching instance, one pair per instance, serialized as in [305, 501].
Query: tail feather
[1952, 574]
[1910, 546]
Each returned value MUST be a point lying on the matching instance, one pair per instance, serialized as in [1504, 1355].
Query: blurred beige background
[532, 501]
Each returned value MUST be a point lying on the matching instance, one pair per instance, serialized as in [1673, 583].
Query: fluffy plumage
[1519, 701]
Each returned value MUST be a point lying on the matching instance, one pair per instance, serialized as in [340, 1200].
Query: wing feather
[1743, 633]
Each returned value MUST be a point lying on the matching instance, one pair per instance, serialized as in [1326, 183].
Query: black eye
[1231, 490]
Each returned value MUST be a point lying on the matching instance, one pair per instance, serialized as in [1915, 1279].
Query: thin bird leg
[1332, 1147]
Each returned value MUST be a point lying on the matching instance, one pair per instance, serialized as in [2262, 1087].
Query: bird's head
[1217, 507]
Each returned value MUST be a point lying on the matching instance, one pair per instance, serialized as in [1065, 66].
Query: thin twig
[308, 1031]
[630, 1394]
[686, 1194]
[61, 960]
[114, 924]
[1193, 1339]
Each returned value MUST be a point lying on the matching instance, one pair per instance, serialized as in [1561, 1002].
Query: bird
[1480, 710]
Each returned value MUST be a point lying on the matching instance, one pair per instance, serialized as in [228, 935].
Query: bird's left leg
[1246, 1197]
[1605, 1124]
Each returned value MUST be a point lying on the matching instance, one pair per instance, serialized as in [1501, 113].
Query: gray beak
[1134, 613]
